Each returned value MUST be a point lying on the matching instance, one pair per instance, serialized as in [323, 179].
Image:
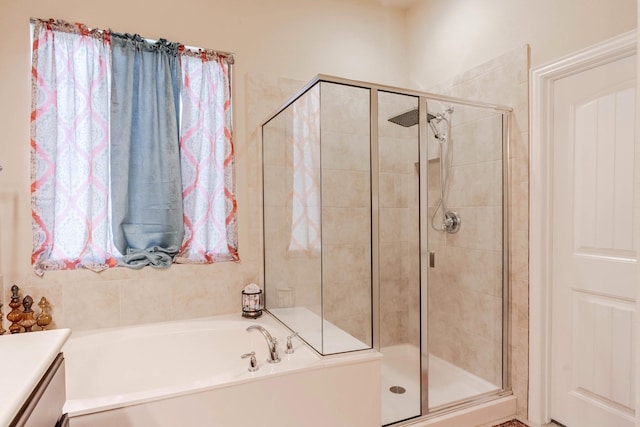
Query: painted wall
[276, 39]
[446, 37]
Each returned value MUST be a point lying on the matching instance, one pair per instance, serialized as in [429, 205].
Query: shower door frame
[423, 98]
[424, 255]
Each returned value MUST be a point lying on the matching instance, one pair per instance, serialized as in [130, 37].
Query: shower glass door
[317, 217]
[385, 227]
[399, 255]
[465, 299]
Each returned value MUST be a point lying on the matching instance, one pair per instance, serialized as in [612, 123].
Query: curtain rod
[229, 55]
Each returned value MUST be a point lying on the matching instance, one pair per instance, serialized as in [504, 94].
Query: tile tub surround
[122, 297]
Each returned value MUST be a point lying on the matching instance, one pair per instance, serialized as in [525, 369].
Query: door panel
[594, 258]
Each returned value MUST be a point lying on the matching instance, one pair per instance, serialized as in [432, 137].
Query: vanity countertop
[24, 359]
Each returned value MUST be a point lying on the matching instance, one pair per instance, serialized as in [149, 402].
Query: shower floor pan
[401, 371]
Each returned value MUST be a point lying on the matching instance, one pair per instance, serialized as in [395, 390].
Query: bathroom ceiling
[402, 4]
[399, 4]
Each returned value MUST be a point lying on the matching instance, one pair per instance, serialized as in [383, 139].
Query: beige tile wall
[464, 287]
[298, 270]
[346, 212]
[337, 284]
[399, 223]
[504, 81]
[80, 302]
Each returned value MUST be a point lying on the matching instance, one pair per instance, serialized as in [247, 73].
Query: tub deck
[192, 368]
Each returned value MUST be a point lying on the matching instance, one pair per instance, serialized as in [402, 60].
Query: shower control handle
[452, 222]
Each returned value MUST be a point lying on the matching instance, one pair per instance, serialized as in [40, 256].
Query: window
[132, 151]
[305, 170]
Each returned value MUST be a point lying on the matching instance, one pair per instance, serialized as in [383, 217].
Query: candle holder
[252, 303]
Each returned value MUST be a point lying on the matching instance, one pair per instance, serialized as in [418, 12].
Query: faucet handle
[253, 363]
[289, 349]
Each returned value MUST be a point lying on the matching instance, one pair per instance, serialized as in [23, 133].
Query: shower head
[406, 119]
[410, 118]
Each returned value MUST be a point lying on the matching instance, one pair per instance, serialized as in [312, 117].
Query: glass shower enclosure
[385, 226]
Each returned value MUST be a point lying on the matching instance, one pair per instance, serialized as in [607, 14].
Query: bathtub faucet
[271, 342]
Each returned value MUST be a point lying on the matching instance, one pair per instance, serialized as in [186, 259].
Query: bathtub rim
[83, 406]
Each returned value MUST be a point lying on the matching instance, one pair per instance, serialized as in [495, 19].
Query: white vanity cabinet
[32, 385]
[44, 405]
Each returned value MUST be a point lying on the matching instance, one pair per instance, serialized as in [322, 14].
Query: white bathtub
[190, 373]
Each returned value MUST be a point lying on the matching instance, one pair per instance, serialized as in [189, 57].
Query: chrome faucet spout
[272, 343]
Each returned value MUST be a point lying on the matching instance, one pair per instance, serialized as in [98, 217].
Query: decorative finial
[15, 315]
[27, 314]
[44, 318]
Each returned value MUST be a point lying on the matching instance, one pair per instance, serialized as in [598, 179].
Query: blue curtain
[147, 220]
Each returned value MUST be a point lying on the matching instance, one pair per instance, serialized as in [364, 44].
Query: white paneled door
[594, 253]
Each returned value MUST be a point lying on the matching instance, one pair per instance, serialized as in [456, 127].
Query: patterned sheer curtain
[70, 148]
[207, 160]
[305, 169]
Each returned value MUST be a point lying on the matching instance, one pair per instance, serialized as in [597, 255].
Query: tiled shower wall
[346, 217]
[465, 283]
[504, 81]
[296, 270]
[337, 284]
[399, 223]
[346, 208]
